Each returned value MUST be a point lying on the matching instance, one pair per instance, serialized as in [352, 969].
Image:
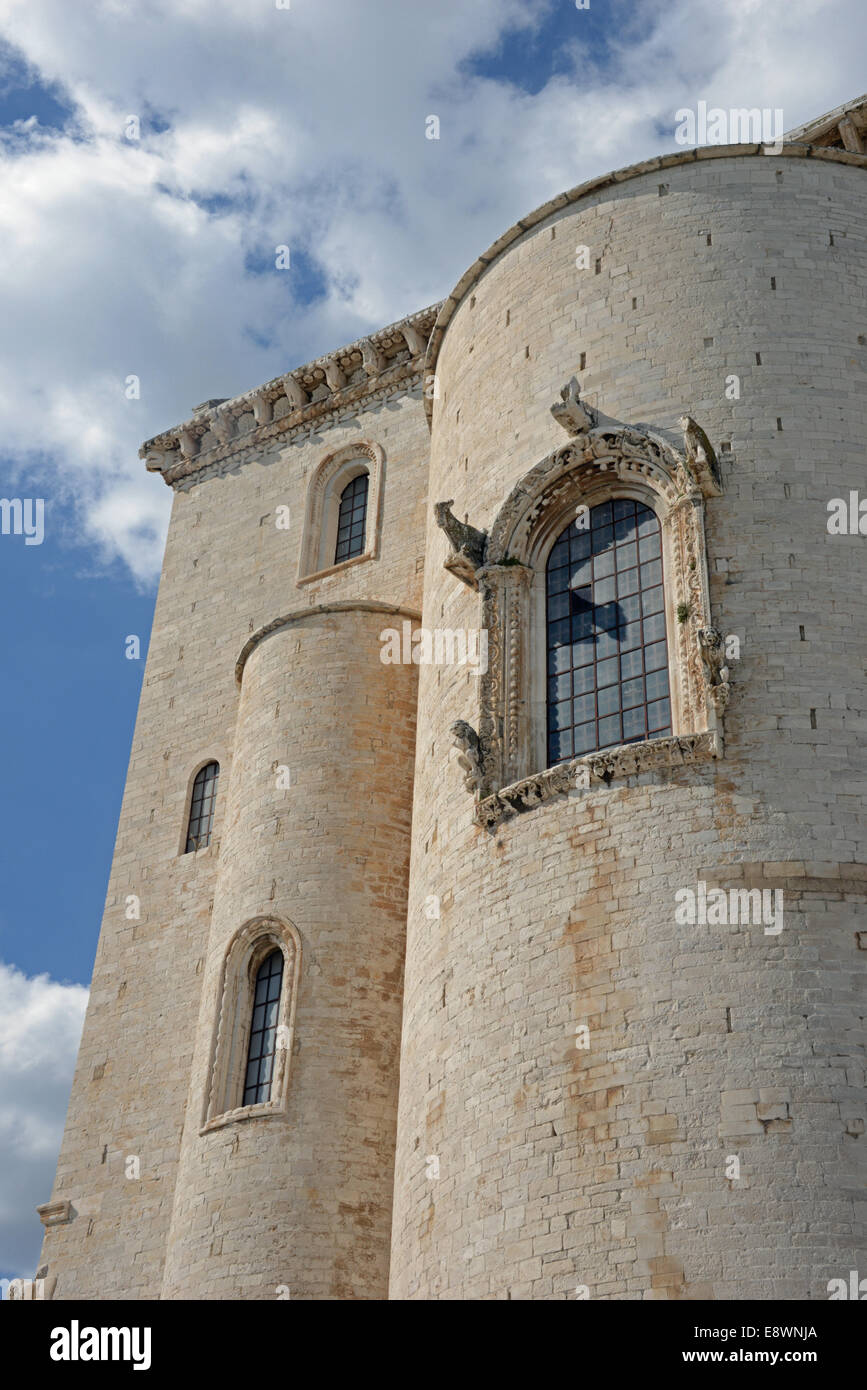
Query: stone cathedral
[487, 914]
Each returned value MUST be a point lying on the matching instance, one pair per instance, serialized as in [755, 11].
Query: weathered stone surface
[577, 1068]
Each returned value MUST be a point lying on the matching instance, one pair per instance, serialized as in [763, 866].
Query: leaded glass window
[202, 807]
[351, 519]
[607, 649]
[263, 1030]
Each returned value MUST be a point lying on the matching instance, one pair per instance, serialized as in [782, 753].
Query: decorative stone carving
[193, 449]
[467, 740]
[295, 394]
[608, 460]
[630, 760]
[222, 425]
[468, 544]
[851, 137]
[372, 358]
[570, 413]
[263, 408]
[414, 340]
[335, 377]
[701, 461]
[503, 731]
[189, 443]
[712, 646]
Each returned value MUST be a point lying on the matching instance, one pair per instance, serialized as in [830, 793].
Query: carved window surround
[256, 940]
[319, 537]
[602, 461]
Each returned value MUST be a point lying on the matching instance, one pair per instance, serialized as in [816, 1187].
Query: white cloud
[40, 1028]
[310, 122]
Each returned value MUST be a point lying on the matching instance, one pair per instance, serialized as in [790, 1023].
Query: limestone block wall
[605, 1170]
[303, 1199]
[228, 570]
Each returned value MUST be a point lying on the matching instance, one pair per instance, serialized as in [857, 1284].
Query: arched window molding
[231, 1038]
[322, 508]
[508, 757]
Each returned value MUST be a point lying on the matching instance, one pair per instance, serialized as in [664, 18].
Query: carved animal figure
[710, 641]
[467, 740]
[574, 417]
[468, 544]
[701, 460]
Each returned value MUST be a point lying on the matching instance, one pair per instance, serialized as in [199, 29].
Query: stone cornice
[337, 606]
[223, 433]
[471, 277]
[55, 1213]
[843, 128]
[610, 764]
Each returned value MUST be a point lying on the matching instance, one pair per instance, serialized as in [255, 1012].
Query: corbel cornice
[229, 432]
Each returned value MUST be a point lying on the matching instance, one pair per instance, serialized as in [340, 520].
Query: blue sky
[70, 696]
[156, 257]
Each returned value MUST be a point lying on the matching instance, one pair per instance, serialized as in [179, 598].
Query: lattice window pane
[263, 1030]
[202, 807]
[606, 631]
[352, 519]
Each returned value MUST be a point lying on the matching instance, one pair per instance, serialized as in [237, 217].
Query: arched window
[254, 1026]
[202, 807]
[344, 495]
[603, 647]
[352, 519]
[263, 1030]
[607, 649]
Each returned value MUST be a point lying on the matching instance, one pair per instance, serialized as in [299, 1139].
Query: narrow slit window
[263, 1030]
[202, 807]
[352, 519]
[607, 647]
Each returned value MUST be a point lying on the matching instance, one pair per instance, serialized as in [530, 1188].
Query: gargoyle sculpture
[570, 413]
[700, 458]
[712, 647]
[468, 544]
[467, 740]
